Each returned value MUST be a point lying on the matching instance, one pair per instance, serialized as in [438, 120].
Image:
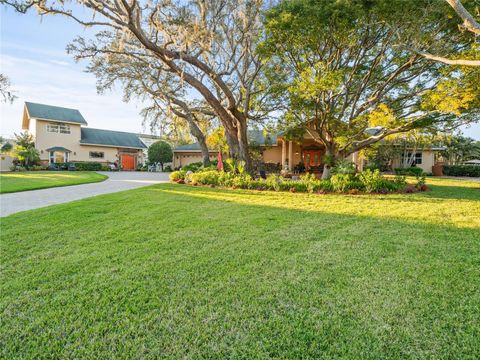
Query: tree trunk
[329, 152]
[161, 165]
[233, 145]
[198, 134]
[244, 154]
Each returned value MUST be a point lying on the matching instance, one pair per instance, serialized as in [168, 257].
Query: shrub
[142, 167]
[344, 166]
[105, 167]
[177, 175]
[293, 186]
[411, 171]
[258, 184]
[274, 182]
[373, 181]
[205, 178]
[311, 182]
[167, 168]
[325, 186]
[421, 183]
[242, 181]
[400, 181]
[226, 178]
[193, 166]
[37, 167]
[341, 182]
[462, 170]
[88, 166]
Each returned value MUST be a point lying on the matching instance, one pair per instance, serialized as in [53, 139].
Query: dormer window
[58, 128]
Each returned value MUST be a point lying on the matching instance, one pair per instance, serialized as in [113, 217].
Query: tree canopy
[160, 152]
[200, 48]
[349, 76]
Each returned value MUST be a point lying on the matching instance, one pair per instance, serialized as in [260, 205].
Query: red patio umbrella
[220, 161]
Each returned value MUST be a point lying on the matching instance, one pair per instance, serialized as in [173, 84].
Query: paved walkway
[117, 181]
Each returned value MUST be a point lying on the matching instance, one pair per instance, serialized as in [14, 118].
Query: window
[97, 154]
[58, 128]
[58, 157]
[417, 159]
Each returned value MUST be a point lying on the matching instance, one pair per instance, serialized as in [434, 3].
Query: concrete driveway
[117, 181]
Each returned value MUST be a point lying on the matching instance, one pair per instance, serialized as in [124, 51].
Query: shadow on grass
[418, 208]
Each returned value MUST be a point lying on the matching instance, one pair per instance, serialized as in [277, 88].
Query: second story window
[58, 128]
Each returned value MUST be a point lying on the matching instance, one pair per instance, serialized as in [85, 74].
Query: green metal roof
[54, 113]
[261, 137]
[110, 138]
[189, 147]
[58, 148]
[258, 137]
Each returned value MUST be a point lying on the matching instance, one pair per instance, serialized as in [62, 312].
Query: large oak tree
[206, 45]
[349, 76]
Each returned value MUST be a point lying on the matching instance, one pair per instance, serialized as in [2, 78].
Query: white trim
[60, 121]
[113, 146]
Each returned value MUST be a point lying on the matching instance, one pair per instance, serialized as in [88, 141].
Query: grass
[188, 272]
[33, 180]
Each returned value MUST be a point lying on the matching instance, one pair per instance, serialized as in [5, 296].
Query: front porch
[304, 157]
[307, 156]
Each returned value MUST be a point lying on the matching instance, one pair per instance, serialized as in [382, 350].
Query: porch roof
[58, 148]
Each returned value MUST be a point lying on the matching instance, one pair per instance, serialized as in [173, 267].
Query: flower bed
[368, 181]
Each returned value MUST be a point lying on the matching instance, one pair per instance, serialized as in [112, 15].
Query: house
[276, 150]
[61, 135]
[308, 153]
[424, 158]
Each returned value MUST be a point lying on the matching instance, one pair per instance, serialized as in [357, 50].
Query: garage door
[128, 162]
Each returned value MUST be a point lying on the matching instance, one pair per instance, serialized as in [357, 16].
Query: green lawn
[178, 271]
[32, 180]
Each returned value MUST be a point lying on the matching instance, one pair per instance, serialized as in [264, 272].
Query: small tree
[25, 150]
[24, 139]
[160, 152]
[27, 156]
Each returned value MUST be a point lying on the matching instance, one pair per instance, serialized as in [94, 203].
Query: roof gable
[110, 138]
[54, 113]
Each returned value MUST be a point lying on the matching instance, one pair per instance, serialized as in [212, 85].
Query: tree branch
[469, 23]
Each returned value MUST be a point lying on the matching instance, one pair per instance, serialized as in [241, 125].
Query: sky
[33, 56]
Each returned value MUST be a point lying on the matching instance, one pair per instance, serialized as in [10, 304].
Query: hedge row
[462, 170]
[367, 181]
[88, 166]
[411, 171]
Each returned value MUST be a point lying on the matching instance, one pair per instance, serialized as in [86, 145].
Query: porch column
[284, 153]
[290, 155]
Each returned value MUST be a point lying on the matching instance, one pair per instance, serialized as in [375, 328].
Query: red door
[128, 162]
[311, 158]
